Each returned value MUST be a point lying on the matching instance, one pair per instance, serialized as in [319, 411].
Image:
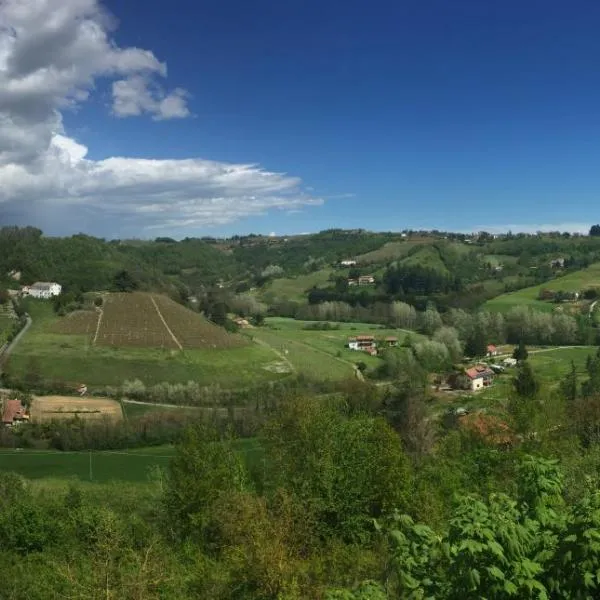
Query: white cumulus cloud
[52, 53]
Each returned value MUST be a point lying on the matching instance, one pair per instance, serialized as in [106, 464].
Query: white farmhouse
[43, 289]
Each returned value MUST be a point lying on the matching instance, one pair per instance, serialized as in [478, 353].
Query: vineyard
[151, 321]
[130, 320]
[192, 330]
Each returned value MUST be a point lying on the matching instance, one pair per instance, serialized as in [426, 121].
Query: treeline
[476, 328]
[153, 429]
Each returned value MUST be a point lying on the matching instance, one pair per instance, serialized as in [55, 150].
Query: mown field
[135, 465]
[48, 408]
[48, 354]
[573, 282]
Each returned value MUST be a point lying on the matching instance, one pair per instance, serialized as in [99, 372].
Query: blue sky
[452, 115]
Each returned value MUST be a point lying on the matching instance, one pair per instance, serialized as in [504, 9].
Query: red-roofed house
[480, 376]
[391, 341]
[492, 350]
[14, 412]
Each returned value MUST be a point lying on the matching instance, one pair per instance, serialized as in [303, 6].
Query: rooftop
[13, 409]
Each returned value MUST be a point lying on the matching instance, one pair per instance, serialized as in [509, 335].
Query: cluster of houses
[478, 376]
[369, 344]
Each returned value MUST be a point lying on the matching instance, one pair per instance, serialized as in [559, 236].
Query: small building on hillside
[557, 263]
[492, 350]
[480, 376]
[391, 341]
[510, 362]
[366, 280]
[348, 263]
[352, 282]
[366, 343]
[13, 413]
[43, 289]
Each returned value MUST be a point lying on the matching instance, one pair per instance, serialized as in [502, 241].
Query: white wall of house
[353, 346]
[477, 383]
[54, 289]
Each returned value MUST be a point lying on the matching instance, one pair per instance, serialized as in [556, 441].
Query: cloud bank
[52, 52]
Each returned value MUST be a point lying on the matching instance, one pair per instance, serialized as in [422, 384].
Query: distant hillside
[450, 270]
[576, 281]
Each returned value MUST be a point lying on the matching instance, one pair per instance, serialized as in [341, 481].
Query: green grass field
[127, 465]
[72, 358]
[573, 282]
[294, 288]
[322, 352]
[6, 324]
[550, 367]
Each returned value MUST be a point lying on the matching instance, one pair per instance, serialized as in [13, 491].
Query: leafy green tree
[591, 386]
[123, 281]
[476, 344]
[345, 470]
[520, 353]
[204, 467]
[569, 386]
[525, 384]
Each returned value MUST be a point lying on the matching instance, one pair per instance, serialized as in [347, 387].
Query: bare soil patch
[48, 408]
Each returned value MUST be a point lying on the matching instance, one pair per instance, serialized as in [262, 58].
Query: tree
[449, 337]
[525, 383]
[569, 386]
[520, 352]
[124, 281]
[476, 343]
[204, 467]
[430, 320]
[432, 355]
[595, 231]
[344, 469]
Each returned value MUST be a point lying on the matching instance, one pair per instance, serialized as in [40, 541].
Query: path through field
[280, 354]
[98, 323]
[357, 372]
[165, 324]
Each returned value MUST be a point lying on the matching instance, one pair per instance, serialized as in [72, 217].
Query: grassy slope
[73, 359]
[320, 351]
[550, 366]
[387, 253]
[528, 296]
[294, 288]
